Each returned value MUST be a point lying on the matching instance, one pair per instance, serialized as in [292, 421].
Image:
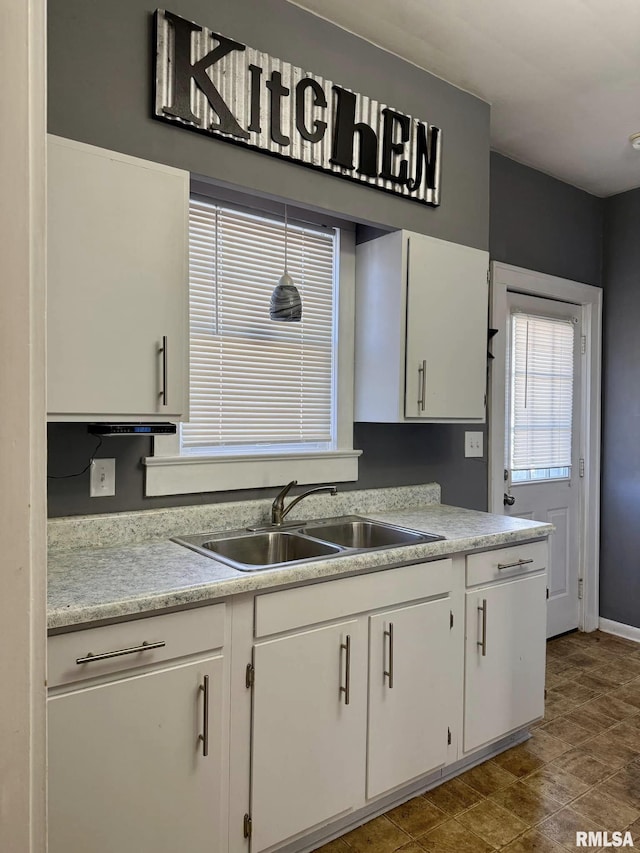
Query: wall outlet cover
[102, 479]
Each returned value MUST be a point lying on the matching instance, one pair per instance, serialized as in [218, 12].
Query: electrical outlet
[102, 480]
[473, 444]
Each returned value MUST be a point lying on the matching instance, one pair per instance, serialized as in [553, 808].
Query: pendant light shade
[286, 304]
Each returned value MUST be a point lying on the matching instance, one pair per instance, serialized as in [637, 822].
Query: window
[269, 401]
[540, 383]
[256, 383]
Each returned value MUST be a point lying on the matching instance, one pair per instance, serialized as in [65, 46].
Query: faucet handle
[284, 491]
[277, 507]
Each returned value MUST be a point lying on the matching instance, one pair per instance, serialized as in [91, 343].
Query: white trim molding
[505, 277]
[629, 632]
[182, 475]
[23, 448]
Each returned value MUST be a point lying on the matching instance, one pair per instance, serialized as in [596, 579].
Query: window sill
[182, 475]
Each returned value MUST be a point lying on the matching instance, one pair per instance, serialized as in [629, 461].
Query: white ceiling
[562, 76]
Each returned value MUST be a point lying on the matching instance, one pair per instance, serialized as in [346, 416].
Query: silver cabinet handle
[347, 669]
[204, 737]
[422, 382]
[143, 647]
[483, 643]
[515, 565]
[165, 367]
[389, 673]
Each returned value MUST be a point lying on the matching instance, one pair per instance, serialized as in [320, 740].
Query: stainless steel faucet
[278, 509]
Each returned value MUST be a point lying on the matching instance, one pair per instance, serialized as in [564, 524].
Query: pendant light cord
[285, 240]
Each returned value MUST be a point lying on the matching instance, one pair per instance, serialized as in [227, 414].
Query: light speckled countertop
[90, 584]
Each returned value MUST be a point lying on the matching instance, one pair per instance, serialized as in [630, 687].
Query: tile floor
[579, 771]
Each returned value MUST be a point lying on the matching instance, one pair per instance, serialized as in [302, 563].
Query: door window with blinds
[257, 385]
[540, 382]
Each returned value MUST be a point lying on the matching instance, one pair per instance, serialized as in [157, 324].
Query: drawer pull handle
[483, 643]
[143, 647]
[347, 669]
[389, 672]
[204, 737]
[515, 565]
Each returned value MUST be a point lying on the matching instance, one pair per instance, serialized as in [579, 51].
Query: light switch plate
[473, 444]
[102, 479]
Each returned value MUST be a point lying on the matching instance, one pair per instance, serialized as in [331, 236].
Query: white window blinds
[541, 392]
[256, 382]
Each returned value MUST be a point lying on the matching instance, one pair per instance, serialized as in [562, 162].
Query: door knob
[508, 500]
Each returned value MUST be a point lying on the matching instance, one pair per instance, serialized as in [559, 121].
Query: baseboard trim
[629, 632]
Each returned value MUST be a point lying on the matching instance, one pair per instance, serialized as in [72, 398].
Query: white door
[504, 659]
[542, 438]
[309, 726]
[409, 665]
[127, 771]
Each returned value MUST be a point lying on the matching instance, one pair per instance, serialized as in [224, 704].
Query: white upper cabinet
[117, 286]
[421, 330]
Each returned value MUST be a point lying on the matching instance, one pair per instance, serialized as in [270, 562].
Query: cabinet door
[447, 319]
[117, 285]
[504, 658]
[126, 767]
[409, 674]
[308, 743]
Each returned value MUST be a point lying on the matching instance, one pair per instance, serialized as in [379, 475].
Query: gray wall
[100, 92]
[393, 454]
[100, 83]
[543, 224]
[620, 537]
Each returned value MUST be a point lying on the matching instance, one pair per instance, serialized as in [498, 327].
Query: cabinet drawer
[322, 602]
[185, 633]
[506, 563]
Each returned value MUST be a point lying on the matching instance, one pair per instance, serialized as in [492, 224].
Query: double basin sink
[266, 548]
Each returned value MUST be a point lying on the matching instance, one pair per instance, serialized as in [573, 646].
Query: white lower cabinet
[127, 771]
[409, 679]
[347, 711]
[355, 684]
[137, 741]
[504, 655]
[309, 716]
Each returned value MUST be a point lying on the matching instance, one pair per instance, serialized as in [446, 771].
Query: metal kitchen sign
[212, 84]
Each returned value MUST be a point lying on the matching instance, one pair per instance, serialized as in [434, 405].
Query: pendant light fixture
[286, 304]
